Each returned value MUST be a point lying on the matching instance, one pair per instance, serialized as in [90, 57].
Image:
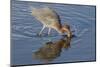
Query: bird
[51, 20]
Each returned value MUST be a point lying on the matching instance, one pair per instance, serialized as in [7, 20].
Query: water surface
[24, 41]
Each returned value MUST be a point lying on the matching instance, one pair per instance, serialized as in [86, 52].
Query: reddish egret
[50, 19]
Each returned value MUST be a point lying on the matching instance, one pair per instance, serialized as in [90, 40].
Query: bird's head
[66, 29]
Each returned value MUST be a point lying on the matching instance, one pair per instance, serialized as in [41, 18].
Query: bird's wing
[51, 15]
[45, 14]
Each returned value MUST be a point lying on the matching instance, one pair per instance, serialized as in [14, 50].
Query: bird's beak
[69, 33]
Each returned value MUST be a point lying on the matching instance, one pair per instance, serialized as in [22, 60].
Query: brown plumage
[49, 18]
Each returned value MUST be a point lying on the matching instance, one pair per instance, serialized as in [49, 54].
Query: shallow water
[24, 39]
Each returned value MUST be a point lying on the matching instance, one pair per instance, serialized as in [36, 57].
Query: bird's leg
[49, 31]
[42, 30]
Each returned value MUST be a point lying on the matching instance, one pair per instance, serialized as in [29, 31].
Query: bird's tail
[32, 10]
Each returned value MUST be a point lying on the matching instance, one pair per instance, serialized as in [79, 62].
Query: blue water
[24, 40]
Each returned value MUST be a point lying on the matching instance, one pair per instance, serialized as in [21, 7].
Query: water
[24, 40]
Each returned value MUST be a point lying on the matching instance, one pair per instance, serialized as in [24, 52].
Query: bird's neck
[60, 30]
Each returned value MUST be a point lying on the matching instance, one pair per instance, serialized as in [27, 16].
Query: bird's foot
[39, 34]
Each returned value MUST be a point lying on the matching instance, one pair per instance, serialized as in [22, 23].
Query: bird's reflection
[52, 50]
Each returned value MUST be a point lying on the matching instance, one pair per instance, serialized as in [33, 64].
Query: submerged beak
[69, 33]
